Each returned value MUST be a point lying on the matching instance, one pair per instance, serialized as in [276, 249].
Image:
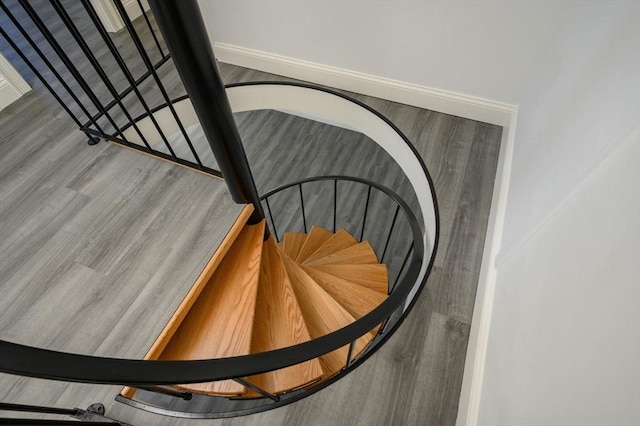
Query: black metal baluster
[393, 223]
[75, 33]
[350, 353]
[273, 224]
[125, 70]
[69, 64]
[404, 263]
[149, 65]
[335, 203]
[366, 210]
[255, 388]
[48, 63]
[153, 33]
[304, 218]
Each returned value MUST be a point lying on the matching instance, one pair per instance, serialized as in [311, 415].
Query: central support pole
[181, 24]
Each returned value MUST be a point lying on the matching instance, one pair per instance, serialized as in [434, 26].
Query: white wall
[487, 49]
[564, 342]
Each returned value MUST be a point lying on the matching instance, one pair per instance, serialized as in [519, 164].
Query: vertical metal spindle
[273, 224]
[335, 203]
[304, 218]
[39, 76]
[69, 64]
[153, 33]
[46, 61]
[393, 223]
[149, 65]
[350, 353]
[125, 70]
[75, 33]
[404, 263]
[366, 209]
[255, 388]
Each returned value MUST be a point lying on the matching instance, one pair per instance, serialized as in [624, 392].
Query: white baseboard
[12, 85]
[471, 392]
[458, 104]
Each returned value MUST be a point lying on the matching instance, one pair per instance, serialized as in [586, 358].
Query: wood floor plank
[220, 322]
[315, 238]
[373, 276]
[322, 314]
[339, 241]
[279, 323]
[359, 254]
[358, 300]
[293, 242]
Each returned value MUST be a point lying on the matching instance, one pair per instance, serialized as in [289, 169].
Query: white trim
[133, 9]
[12, 85]
[473, 376]
[108, 15]
[458, 104]
[12, 76]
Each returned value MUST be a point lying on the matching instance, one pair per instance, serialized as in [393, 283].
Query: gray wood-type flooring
[98, 245]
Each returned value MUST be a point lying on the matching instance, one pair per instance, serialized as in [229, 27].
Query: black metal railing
[65, 47]
[26, 361]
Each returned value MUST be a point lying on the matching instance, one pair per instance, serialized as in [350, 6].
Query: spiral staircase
[265, 296]
[285, 307]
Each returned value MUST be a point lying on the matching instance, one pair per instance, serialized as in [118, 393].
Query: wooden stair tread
[292, 243]
[374, 277]
[279, 323]
[322, 314]
[361, 253]
[316, 238]
[339, 241]
[220, 323]
[356, 299]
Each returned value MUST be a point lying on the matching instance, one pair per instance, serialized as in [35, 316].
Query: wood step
[339, 241]
[361, 253]
[373, 277]
[279, 323]
[356, 299]
[292, 243]
[323, 315]
[220, 323]
[316, 238]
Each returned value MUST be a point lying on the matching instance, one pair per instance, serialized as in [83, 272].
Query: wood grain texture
[205, 276]
[292, 243]
[361, 253]
[220, 322]
[338, 241]
[322, 314]
[356, 299]
[279, 323]
[315, 238]
[373, 277]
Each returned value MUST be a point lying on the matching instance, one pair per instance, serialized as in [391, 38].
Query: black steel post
[183, 29]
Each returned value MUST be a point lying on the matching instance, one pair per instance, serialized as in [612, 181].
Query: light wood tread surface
[361, 253]
[220, 323]
[339, 241]
[292, 243]
[279, 323]
[315, 239]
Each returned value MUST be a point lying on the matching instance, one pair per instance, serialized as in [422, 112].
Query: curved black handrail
[43, 363]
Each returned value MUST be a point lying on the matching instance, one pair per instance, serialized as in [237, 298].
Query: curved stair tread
[371, 276]
[356, 299]
[315, 239]
[323, 315]
[361, 253]
[339, 241]
[292, 243]
[279, 323]
[220, 323]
